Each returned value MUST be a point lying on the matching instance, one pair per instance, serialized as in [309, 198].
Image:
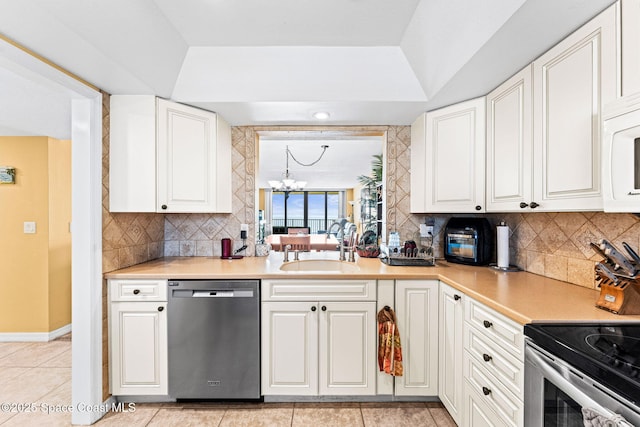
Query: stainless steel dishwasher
[214, 339]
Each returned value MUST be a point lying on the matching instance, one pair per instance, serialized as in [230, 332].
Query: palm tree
[376, 173]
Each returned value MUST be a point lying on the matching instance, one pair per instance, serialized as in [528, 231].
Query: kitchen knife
[614, 255]
[600, 252]
[611, 263]
[604, 271]
[634, 256]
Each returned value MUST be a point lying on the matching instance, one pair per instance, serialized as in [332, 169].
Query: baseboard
[34, 336]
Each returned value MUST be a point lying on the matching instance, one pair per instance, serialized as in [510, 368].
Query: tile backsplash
[554, 245]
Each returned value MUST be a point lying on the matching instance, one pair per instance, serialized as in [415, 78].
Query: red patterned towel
[389, 347]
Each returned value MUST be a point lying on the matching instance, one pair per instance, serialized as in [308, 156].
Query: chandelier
[288, 183]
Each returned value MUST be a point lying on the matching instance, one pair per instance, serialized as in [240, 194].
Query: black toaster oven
[468, 241]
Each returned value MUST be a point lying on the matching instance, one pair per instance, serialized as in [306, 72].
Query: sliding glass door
[315, 210]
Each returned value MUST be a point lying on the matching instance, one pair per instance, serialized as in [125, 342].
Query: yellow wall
[261, 196]
[59, 235]
[33, 281]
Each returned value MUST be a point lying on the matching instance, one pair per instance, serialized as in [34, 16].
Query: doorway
[86, 276]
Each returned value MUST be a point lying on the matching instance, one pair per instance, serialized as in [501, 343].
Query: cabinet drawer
[318, 290]
[493, 393]
[478, 413]
[508, 369]
[497, 327]
[138, 290]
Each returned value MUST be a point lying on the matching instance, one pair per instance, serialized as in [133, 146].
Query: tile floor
[40, 373]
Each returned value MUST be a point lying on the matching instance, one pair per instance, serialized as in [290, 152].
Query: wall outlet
[426, 230]
[29, 227]
[244, 227]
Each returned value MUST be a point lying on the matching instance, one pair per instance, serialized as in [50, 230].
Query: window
[313, 209]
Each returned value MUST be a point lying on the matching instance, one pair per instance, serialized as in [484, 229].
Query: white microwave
[621, 156]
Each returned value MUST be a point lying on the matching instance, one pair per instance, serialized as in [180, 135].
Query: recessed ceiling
[256, 62]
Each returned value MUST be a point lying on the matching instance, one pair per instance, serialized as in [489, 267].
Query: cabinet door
[450, 379]
[348, 348]
[289, 348]
[509, 144]
[630, 34]
[138, 348]
[417, 313]
[132, 153]
[572, 81]
[189, 160]
[455, 158]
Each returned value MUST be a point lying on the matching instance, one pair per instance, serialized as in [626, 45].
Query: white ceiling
[342, 163]
[256, 62]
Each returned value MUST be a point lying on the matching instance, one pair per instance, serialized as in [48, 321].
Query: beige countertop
[523, 297]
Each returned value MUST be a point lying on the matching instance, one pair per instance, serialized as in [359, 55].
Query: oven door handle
[571, 390]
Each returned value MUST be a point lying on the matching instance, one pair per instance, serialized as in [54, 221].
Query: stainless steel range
[573, 372]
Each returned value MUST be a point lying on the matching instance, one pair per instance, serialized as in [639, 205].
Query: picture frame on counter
[7, 175]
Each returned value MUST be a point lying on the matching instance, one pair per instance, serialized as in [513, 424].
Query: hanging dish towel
[593, 418]
[389, 347]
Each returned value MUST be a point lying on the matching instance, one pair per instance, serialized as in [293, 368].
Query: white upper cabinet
[572, 81]
[448, 158]
[630, 51]
[509, 144]
[194, 161]
[167, 157]
[132, 154]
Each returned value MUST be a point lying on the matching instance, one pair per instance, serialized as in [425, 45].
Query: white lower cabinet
[417, 312]
[138, 337]
[290, 348]
[477, 412]
[450, 349]
[347, 348]
[501, 401]
[318, 347]
[481, 363]
[493, 368]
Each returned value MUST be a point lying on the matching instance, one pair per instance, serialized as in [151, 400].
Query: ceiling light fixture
[321, 115]
[288, 183]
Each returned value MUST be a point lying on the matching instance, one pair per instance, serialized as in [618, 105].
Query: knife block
[622, 297]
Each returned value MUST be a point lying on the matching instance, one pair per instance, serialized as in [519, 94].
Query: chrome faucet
[342, 254]
[286, 253]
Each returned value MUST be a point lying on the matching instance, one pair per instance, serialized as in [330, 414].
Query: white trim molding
[34, 336]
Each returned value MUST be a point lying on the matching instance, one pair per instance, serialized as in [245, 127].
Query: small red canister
[227, 248]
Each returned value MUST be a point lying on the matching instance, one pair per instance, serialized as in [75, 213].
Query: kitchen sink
[324, 265]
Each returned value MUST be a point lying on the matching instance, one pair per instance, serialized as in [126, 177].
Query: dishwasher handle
[215, 293]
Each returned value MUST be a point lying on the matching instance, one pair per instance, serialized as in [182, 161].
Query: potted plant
[368, 244]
